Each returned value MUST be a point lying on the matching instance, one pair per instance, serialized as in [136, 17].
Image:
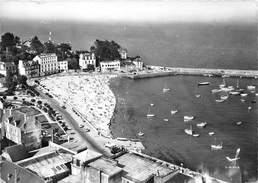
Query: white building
[2, 68]
[48, 63]
[63, 66]
[138, 63]
[109, 65]
[87, 59]
[123, 53]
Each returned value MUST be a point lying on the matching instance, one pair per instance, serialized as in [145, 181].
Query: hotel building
[87, 59]
[109, 65]
[48, 63]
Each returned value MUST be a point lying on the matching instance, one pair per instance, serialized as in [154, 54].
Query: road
[86, 137]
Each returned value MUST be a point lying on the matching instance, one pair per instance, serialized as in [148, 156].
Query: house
[11, 68]
[21, 127]
[50, 163]
[10, 171]
[2, 68]
[109, 66]
[123, 53]
[10, 153]
[29, 68]
[63, 66]
[48, 63]
[138, 63]
[126, 167]
[87, 59]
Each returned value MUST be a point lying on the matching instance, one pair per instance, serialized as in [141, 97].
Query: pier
[157, 71]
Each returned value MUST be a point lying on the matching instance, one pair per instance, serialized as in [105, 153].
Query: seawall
[157, 71]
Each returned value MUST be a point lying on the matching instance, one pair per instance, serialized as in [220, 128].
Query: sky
[130, 11]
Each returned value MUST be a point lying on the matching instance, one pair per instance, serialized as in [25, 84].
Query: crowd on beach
[88, 94]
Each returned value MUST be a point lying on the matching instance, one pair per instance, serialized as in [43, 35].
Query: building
[63, 66]
[10, 153]
[123, 53]
[2, 68]
[87, 59]
[48, 63]
[11, 68]
[138, 63]
[21, 127]
[127, 167]
[50, 163]
[109, 66]
[29, 68]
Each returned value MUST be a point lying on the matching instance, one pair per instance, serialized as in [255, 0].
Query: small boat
[203, 124]
[188, 117]
[149, 114]
[249, 108]
[174, 112]
[239, 123]
[243, 94]
[225, 76]
[122, 139]
[166, 120]
[234, 93]
[224, 97]
[242, 100]
[203, 83]
[219, 100]
[198, 96]
[256, 94]
[252, 91]
[251, 87]
[189, 131]
[211, 133]
[253, 101]
[140, 134]
[196, 135]
[227, 89]
[208, 75]
[216, 147]
[151, 104]
[215, 91]
[223, 84]
[166, 89]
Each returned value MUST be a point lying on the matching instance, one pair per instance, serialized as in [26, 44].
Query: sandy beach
[88, 94]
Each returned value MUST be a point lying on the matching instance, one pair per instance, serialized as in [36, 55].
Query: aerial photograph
[128, 92]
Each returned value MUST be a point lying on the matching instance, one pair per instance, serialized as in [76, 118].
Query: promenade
[157, 71]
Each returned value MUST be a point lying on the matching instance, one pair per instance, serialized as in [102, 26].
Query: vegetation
[105, 50]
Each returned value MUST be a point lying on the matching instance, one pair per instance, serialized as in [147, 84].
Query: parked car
[86, 129]
[81, 126]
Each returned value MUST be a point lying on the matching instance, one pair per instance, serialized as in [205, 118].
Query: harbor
[158, 71]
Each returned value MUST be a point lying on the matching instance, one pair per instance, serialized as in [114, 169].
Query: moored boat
[189, 131]
[215, 90]
[188, 117]
[166, 120]
[203, 124]
[251, 87]
[239, 123]
[243, 94]
[149, 114]
[166, 89]
[219, 100]
[140, 134]
[211, 133]
[216, 147]
[203, 83]
[174, 112]
[234, 93]
[196, 135]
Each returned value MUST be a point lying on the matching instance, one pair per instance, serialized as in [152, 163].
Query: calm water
[168, 141]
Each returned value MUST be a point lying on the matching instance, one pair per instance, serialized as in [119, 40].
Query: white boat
[166, 89]
[151, 104]
[219, 100]
[215, 91]
[225, 76]
[189, 131]
[243, 94]
[251, 87]
[211, 133]
[188, 117]
[239, 123]
[203, 83]
[216, 147]
[140, 134]
[196, 135]
[227, 89]
[256, 94]
[223, 84]
[242, 100]
[234, 93]
[224, 97]
[166, 120]
[203, 124]
[249, 108]
[174, 112]
[122, 139]
[149, 114]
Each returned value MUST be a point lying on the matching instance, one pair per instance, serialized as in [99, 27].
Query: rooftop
[139, 169]
[107, 166]
[48, 164]
[12, 152]
[29, 111]
[87, 155]
[10, 64]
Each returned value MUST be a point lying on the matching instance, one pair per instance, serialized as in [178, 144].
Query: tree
[9, 41]
[10, 82]
[22, 80]
[73, 64]
[36, 45]
[49, 47]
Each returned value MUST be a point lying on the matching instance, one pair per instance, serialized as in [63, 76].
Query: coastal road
[85, 136]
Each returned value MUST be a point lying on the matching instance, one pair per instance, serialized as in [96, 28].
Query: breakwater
[157, 71]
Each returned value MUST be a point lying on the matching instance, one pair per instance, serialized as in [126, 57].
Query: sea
[217, 45]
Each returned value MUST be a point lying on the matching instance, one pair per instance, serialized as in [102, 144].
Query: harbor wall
[156, 71]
